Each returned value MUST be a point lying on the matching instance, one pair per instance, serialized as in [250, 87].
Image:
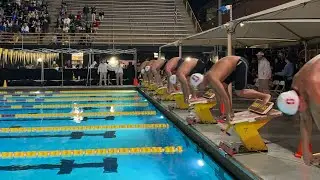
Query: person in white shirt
[66, 21]
[264, 72]
[119, 73]
[25, 28]
[103, 70]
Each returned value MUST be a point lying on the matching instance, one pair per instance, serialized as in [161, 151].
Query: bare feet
[266, 99]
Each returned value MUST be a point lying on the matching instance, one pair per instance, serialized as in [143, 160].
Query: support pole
[135, 58]
[62, 67]
[230, 33]
[219, 48]
[42, 72]
[305, 44]
[180, 50]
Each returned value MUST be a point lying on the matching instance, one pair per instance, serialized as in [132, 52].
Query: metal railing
[192, 15]
[86, 38]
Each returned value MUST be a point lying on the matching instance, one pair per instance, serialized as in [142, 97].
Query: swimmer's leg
[253, 94]
[169, 85]
[156, 73]
[305, 132]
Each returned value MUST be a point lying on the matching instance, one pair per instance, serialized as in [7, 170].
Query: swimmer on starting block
[143, 71]
[170, 69]
[156, 68]
[305, 99]
[232, 69]
[149, 72]
[188, 68]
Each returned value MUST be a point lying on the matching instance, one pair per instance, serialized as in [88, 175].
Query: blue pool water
[192, 163]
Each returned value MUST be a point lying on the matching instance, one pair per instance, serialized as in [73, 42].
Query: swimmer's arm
[223, 96]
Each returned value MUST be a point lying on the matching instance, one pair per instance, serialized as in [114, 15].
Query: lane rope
[83, 114]
[61, 106]
[66, 91]
[83, 128]
[75, 99]
[92, 152]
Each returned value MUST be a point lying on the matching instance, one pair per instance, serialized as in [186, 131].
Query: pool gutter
[237, 169]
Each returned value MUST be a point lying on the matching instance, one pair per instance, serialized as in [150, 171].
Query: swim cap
[147, 68]
[173, 79]
[142, 71]
[288, 102]
[196, 79]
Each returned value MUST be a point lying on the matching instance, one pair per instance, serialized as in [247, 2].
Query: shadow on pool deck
[282, 135]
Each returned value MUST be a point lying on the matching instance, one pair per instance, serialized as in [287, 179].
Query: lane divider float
[83, 128]
[73, 99]
[92, 152]
[83, 114]
[67, 91]
[61, 106]
[66, 95]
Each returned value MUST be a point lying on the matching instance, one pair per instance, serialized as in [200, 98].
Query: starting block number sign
[259, 108]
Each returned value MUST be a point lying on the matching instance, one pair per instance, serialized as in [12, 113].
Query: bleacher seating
[135, 22]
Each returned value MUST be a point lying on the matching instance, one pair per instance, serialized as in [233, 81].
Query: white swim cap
[147, 68]
[288, 102]
[173, 79]
[196, 79]
[142, 71]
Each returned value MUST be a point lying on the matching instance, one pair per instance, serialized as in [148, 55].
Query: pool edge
[237, 169]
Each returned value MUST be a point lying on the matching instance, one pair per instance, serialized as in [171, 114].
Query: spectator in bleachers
[86, 12]
[93, 13]
[2, 27]
[25, 28]
[101, 15]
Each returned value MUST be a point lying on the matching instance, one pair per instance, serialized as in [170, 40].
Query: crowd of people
[25, 17]
[264, 71]
[78, 23]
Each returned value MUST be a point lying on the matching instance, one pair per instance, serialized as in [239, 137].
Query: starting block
[203, 108]
[144, 84]
[179, 99]
[246, 125]
[152, 87]
[161, 90]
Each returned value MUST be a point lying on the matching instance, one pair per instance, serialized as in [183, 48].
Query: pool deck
[282, 137]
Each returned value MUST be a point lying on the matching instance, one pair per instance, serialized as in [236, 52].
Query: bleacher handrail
[192, 15]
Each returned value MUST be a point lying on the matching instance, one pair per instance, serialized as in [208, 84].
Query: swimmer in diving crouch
[232, 69]
[188, 68]
[149, 72]
[143, 71]
[305, 100]
[171, 68]
[156, 67]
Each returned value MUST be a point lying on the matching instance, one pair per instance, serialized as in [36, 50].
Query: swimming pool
[95, 134]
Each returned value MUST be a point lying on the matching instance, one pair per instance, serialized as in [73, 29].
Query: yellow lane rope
[75, 99]
[84, 114]
[66, 91]
[83, 128]
[91, 152]
[60, 106]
